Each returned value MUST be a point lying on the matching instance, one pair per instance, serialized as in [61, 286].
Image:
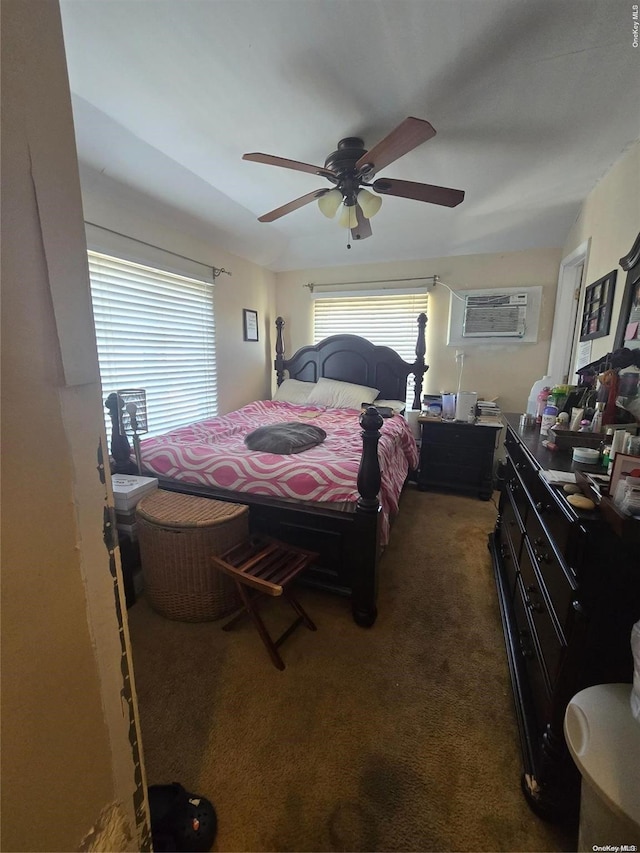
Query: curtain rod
[216, 270]
[434, 278]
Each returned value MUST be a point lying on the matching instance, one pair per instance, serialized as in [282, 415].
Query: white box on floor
[128, 489]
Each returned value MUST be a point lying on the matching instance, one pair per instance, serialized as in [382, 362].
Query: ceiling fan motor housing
[342, 161]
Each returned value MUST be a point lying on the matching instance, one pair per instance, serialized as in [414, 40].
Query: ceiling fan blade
[270, 160]
[420, 192]
[407, 135]
[363, 228]
[291, 206]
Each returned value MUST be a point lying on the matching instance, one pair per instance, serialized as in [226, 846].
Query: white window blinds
[387, 319]
[155, 330]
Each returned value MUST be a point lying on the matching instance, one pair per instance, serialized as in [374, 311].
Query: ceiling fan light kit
[348, 217]
[350, 167]
[330, 202]
[369, 203]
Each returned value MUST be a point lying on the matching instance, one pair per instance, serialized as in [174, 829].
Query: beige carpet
[397, 738]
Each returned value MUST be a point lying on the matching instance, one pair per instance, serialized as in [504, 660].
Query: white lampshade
[369, 203]
[330, 202]
[133, 410]
[348, 217]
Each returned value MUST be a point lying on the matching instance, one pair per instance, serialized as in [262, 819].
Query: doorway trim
[570, 278]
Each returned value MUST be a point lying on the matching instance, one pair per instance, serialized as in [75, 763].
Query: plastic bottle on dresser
[549, 417]
[606, 450]
[541, 404]
[596, 423]
[536, 388]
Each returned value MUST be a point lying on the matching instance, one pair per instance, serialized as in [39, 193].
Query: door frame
[568, 299]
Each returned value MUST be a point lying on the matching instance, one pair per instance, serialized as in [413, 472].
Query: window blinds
[155, 330]
[386, 319]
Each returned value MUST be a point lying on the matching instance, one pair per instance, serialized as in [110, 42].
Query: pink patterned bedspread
[212, 453]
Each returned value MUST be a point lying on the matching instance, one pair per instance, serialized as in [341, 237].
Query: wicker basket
[177, 535]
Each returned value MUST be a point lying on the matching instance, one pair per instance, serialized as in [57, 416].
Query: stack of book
[488, 412]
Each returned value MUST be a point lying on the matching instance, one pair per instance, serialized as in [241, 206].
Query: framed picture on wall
[250, 324]
[596, 311]
[629, 324]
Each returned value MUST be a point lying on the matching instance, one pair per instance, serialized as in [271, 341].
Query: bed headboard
[351, 358]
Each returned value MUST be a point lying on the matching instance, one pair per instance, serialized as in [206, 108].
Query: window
[385, 319]
[155, 330]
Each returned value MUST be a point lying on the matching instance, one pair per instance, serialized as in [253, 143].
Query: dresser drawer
[520, 460]
[511, 536]
[519, 494]
[557, 525]
[536, 683]
[558, 581]
[549, 639]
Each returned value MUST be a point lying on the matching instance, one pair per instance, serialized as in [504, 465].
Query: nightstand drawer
[447, 433]
[472, 457]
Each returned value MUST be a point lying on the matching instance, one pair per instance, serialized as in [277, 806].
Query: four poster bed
[337, 498]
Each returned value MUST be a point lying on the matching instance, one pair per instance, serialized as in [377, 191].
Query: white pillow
[341, 395]
[294, 391]
[397, 405]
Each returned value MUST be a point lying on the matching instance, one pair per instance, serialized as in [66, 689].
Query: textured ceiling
[532, 103]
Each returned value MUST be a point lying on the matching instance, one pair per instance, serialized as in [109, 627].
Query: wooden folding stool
[266, 567]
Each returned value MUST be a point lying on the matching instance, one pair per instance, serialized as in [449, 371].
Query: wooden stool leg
[257, 621]
[299, 609]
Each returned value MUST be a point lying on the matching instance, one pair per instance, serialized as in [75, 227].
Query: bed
[338, 498]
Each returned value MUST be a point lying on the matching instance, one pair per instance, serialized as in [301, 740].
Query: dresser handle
[532, 588]
[535, 606]
[525, 649]
[577, 606]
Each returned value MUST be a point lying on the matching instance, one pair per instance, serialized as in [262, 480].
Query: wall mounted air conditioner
[495, 316]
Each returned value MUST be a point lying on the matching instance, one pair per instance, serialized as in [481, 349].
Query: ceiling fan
[351, 168]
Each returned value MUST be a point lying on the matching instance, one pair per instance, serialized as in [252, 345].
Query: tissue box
[128, 489]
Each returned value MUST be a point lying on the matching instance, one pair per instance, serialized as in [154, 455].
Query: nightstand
[457, 456]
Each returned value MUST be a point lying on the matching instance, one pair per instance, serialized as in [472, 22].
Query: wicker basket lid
[172, 509]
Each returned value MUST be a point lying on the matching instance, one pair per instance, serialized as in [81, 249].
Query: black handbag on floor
[180, 821]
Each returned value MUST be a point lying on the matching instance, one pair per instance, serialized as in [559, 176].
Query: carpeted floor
[398, 738]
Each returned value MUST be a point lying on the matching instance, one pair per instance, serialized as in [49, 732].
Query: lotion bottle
[596, 423]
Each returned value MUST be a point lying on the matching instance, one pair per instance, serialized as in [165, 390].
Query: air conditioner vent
[495, 316]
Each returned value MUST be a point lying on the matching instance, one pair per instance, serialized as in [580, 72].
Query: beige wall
[244, 368]
[66, 750]
[610, 220]
[506, 371]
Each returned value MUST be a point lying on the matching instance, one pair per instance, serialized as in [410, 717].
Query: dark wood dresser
[569, 590]
[457, 456]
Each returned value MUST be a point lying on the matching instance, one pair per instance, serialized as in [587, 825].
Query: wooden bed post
[419, 366]
[365, 559]
[279, 362]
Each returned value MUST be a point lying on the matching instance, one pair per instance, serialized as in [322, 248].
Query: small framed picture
[250, 324]
[624, 466]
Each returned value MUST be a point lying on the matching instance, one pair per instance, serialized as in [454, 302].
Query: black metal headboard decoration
[350, 358]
